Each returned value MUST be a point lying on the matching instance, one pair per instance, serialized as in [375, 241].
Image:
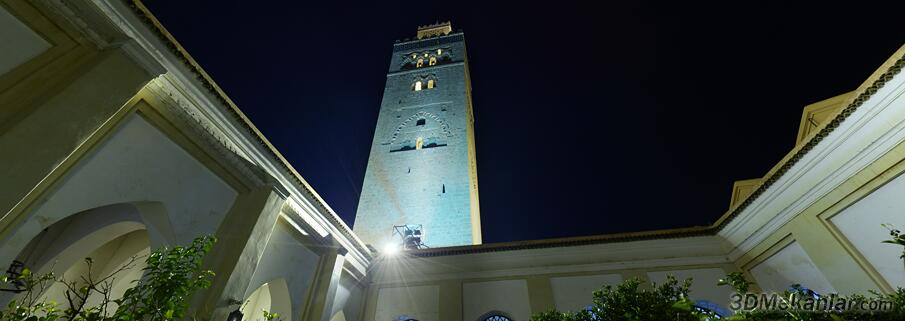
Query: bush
[171, 276]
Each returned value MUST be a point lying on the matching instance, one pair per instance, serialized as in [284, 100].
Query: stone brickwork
[422, 164]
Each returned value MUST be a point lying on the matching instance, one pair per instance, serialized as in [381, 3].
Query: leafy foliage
[669, 301]
[737, 281]
[897, 238]
[171, 276]
[629, 302]
[271, 316]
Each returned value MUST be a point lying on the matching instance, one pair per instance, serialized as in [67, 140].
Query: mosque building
[114, 141]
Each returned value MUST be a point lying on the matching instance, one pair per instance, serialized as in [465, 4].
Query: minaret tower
[422, 169]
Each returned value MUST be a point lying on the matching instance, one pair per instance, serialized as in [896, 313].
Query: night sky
[590, 119]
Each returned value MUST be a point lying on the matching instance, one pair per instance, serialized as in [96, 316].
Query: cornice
[563, 242]
[812, 142]
[207, 83]
[190, 118]
[602, 267]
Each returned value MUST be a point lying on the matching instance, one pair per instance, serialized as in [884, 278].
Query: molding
[601, 268]
[565, 242]
[815, 171]
[424, 69]
[186, 116]
[98, 28]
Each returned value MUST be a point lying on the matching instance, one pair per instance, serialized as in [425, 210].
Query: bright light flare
[390, 249]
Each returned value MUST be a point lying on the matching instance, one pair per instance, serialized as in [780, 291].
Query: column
[326, 282]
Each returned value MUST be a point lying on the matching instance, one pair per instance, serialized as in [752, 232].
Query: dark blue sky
[590, 119]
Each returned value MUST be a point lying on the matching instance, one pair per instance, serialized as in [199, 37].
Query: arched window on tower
[420, 63]
[430, 84]
[417, 86]
[432, 61]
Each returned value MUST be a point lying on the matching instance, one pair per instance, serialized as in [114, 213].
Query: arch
[116, 237]
[272, 296]
[434, 118]
[405, 317]
[111, 235]
[126, 252]
[70, 239]
[338, 316]
[45, 238]
[495, 315]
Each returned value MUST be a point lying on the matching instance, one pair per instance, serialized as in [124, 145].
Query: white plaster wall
[509, 296]
[15, 34]
[287, 258]
[860, 223]
[572, 293]
[136, 163]
[789, 266]
[419, 302]
[253, 307]
[348, 298]
[704, 283]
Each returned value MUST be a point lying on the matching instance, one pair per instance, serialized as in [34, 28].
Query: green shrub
[171, 276]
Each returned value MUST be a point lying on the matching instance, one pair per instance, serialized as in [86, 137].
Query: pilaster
[450, 300]
[326, 282]
[242, 238]
[540, 294]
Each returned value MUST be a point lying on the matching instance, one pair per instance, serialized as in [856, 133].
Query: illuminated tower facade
[422, 168]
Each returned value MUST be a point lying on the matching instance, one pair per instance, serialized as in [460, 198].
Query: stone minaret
[422, 167]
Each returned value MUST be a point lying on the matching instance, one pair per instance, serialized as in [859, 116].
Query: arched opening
[417, 86]
[123, 256]
[339, 316]
[272, 297]
[115, 239]
[495, 316]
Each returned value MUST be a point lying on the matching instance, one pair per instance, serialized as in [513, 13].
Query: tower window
[432, 61]
[420, 63]
[418, 85]
[444, 188]
[419, 143]
[430, 84]
[439, 52]
[422, 121]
